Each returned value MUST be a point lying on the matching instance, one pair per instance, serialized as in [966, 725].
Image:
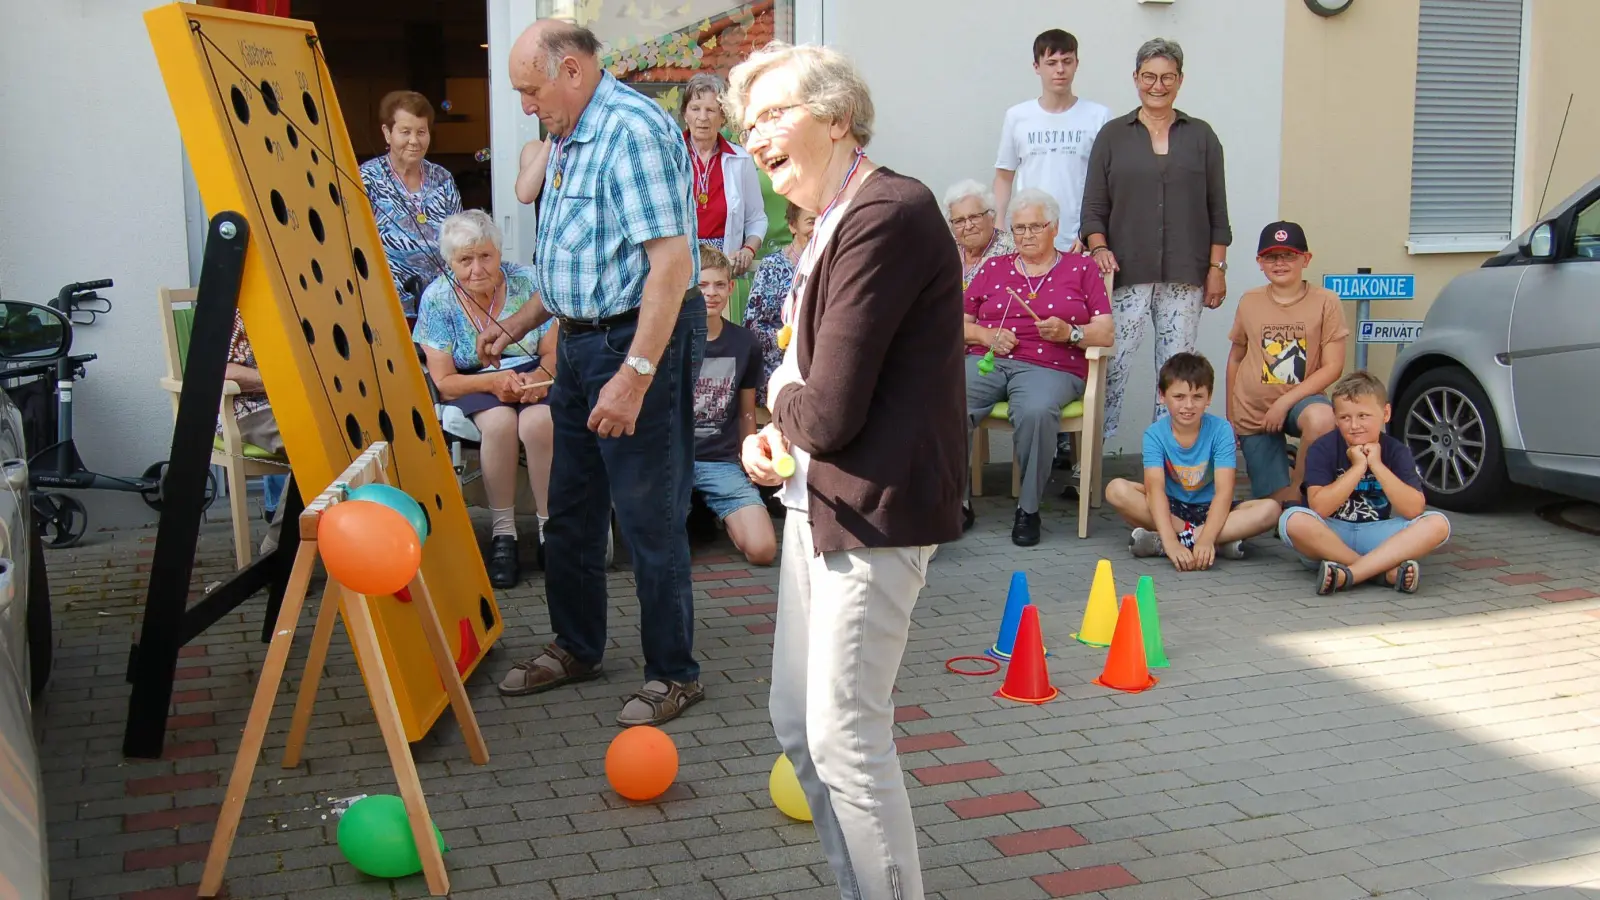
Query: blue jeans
[726, 488]
[647, 475]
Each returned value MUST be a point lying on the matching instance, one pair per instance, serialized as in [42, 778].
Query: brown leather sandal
[552, 668]
[659, 702]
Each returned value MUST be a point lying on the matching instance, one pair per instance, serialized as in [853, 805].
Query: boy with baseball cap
[1288, 347]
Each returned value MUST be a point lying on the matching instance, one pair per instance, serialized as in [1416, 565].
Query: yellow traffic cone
[1100, 616]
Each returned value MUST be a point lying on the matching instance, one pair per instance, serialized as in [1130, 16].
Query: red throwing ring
[949, 664]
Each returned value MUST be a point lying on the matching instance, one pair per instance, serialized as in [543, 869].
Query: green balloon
[397, 500]
[375, 836]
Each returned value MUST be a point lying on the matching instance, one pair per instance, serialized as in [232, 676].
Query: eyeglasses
[1280, 257]
[1028, 230]
[966, 222]
[763, 124]
[1167, 79]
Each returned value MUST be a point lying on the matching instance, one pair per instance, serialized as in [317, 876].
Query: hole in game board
[338, 296]
[311, 106]
[313, 156]
[391, 366]
[280, 210]
[269, 97]
[316, 271]
[385, 425]
[269, 145]
[294, 137]
[303, 285]
[333, 193]
[438, 501]
[338, 386]
[361, 386]
[316, 223]
[352, 430]
[340, 342]
[486, 612]
[311, 180]
[350, 287]
[361, 263]
[241, 106]
[366, 330]
[311, 336]
[418, 425]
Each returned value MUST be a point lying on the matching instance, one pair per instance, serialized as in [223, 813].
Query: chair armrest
[1095, 353]
[231, 388]
[175, 385]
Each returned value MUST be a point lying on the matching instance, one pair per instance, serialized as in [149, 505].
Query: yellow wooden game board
[266, 139]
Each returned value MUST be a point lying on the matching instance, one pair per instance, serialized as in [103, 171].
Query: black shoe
[1025, 533]
[967, 518]
[504, 571]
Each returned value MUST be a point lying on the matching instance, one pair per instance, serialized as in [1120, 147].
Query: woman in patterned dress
[410, 196]
[763, 315]
[508, 403]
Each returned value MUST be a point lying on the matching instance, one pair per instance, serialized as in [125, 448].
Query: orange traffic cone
[1027, 679]
[1125, 665]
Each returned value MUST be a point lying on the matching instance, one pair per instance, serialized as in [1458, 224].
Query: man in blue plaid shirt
[617, 267]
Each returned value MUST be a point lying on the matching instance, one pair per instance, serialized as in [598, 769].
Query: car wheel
[41, 636]
[1447, 421]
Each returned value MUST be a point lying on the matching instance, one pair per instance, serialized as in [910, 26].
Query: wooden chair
[239, 459]
[1084, 417]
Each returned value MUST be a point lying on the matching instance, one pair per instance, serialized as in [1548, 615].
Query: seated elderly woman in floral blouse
[508, 403]
[970, 208]
[763, 313]
[1037, 309]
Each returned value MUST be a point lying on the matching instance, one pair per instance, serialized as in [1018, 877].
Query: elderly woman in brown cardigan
[1155, 213]
[870, 401]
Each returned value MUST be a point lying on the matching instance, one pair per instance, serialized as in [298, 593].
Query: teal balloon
[397, 500]
[375, 836]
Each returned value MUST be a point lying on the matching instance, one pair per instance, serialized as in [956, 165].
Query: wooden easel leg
[321, 636]
[255, 727]
[440, 645]
[358, 622]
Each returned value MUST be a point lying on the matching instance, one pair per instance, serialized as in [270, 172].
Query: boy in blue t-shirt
[1185, 508]
[1365, 515]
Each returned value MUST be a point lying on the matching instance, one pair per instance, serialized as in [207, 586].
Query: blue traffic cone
[1016, 599]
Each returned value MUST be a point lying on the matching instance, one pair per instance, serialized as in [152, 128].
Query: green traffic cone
[1150, 623]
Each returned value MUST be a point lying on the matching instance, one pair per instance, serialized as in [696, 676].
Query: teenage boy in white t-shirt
[1045, 142]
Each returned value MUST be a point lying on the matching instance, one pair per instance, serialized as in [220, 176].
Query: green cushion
[1073, 410]
[251, 451]
[183, 324]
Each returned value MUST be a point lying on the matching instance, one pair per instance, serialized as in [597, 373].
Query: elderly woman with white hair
[970, 207]
[1036, 310]
[508, 404]
[868, 404]
[729, 209]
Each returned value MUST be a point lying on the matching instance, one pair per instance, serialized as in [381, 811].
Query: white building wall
[91, 182]
[943, 72]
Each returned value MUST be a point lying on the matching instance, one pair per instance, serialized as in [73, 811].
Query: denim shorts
[1361, 537]
[1266, 455]
[726, 487]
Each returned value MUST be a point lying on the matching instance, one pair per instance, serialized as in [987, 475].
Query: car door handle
[16, 471]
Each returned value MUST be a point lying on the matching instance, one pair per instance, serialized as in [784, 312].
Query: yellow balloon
[785, 790]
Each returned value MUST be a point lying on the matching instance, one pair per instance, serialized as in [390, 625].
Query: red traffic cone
[1125, 665]
[1027, 679]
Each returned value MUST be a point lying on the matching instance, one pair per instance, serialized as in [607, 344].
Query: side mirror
[1541, 242]
[33, 332]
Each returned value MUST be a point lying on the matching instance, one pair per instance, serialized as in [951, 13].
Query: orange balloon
[641, 762]
[368, 547]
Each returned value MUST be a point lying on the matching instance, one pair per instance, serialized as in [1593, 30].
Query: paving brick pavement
[1439, 746]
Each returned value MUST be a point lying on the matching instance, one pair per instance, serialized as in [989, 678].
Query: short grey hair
[562, 39]
[701, 83]
[1034, 197]
[1157, 48]
[966, 188]
[468, 229]
[831, 87]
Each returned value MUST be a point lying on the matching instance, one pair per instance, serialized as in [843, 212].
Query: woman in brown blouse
[1155, 213]
[870, 402]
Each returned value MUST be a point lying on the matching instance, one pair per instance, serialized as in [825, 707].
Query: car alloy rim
[1446, 435]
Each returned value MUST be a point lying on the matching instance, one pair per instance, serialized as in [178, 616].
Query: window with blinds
[1464, 138]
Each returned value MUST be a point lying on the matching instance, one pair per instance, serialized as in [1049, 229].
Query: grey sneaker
[1144, 542]
[1231, 550]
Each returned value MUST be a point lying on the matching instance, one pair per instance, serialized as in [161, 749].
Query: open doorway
[438, 48]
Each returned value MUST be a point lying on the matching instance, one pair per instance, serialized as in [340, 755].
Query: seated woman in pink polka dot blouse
[1037, 309]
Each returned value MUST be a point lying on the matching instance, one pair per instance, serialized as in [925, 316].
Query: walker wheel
[153, 497]
[61, 519]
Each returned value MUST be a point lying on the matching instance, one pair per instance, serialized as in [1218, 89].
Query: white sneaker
[1231, 550]
[1144, 542]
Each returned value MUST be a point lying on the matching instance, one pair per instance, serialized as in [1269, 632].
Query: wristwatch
[1077, 334]
[641, 365]
[1220, 266]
